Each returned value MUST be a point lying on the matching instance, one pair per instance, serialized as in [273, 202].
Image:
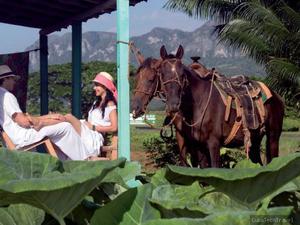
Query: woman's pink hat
[107, 80]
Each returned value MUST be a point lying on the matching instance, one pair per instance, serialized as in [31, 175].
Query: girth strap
[237, 123]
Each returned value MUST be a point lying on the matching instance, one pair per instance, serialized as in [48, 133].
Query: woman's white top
[93, 140]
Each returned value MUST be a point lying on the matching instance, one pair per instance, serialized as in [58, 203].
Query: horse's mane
[190, 72]
[147, 63]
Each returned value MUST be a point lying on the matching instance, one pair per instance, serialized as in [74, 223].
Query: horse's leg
[272, 143]
[254, 153]
[203, 158]
[182, 148]
[213, 145]
[275, 112]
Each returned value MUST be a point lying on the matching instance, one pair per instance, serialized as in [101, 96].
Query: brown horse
[203, 110]
[148, 86]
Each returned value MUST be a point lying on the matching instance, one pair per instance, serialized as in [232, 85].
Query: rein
[205, 108]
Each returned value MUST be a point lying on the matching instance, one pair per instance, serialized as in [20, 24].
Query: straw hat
[107, 81]
[5, 71]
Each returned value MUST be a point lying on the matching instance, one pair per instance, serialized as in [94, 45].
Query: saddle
[198, 68]
[247, 95]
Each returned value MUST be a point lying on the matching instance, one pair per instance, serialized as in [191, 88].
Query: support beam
[44, 74]
[76, 69]
[123, 82]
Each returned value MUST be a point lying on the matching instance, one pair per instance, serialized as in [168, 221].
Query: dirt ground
[147, 165]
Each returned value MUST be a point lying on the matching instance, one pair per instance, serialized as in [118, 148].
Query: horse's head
[172, 77]
[147, 85]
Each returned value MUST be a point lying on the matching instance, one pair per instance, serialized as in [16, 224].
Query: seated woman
[102, 117]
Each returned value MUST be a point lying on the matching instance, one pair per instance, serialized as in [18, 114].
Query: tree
[60, 86]
[266, 30]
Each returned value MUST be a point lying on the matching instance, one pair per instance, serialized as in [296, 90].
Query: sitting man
[19, 128]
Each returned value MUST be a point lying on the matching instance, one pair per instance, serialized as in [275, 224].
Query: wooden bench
[110, 151]
[11, 146]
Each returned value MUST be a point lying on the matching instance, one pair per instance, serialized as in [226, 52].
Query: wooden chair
[111, 151]
[11, 146]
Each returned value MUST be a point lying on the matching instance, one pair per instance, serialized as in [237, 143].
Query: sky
[143, 18]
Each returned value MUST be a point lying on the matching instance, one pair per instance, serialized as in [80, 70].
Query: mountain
[101, 46]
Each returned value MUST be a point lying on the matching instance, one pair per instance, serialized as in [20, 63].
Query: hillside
[101, 46]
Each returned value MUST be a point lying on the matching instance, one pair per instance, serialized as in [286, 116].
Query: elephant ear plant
[36, 185]
[49, 184]
[188, 196]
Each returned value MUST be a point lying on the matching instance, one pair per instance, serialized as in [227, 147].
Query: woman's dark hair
[108, 97]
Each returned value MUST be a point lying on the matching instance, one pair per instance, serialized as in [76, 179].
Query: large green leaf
[21, 214]
[131, 207]
[159, 178]
[124, 174]
[232, 218]
[192, 201]
[47, 183]
[247, 185]
[291, 187]
[116, 183]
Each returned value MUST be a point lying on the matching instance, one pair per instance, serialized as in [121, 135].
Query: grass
[139, 134]
[289, 141]
[291, 124]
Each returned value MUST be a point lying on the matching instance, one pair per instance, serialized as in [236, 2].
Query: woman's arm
[113, 126]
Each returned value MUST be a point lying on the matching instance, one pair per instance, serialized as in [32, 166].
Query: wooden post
[76, 69]
[43, 74]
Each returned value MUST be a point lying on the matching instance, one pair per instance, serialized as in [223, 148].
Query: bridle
[150, 93]
[176, 78]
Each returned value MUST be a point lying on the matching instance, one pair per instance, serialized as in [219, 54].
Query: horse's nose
[136, 108]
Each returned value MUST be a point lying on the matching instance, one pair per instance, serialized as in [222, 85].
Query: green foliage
[50, 181]
[291, 120]
[174, 195]
[162, 153]
[232, 197]
[128, 208]
[60, 86]
[267, 31]
[230, 157]
[21, 214]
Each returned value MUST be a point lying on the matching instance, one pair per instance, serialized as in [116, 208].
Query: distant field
[289, 141]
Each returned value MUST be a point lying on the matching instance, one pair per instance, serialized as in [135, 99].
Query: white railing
[141, 120]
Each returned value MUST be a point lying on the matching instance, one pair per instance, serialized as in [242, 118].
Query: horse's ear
[140, 58]
[179, 52]
[163, 52]
[138, 55]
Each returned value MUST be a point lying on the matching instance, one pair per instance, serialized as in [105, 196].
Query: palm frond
[284, 69]
[217, 10]
[239, 34]
[266, 30]
[289, 16]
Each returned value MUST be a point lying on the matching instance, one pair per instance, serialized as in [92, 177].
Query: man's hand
[57, 116]
[22, 120]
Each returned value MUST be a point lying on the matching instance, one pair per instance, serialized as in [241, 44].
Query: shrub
[162, 153]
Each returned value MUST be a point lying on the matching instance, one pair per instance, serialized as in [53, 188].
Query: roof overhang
[53, 15]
